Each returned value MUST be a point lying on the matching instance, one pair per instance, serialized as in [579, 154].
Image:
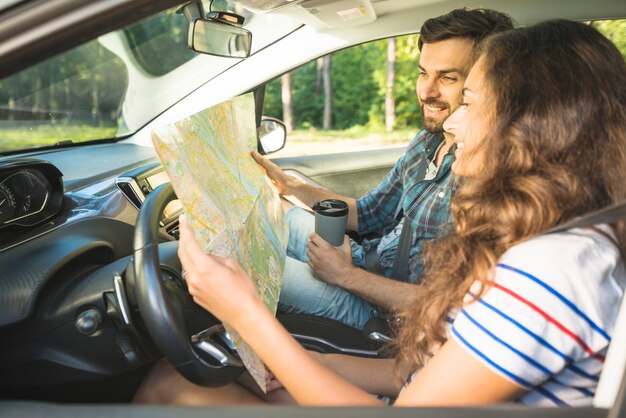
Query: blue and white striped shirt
[546, 321]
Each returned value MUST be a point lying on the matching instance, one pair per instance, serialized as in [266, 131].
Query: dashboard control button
[89, 322]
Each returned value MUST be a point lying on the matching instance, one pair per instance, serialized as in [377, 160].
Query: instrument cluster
[31, 191]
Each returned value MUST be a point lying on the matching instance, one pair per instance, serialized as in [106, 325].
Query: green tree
[354, 85]
[359, 77]
[272, 106]
[615, 30]
[408, 112]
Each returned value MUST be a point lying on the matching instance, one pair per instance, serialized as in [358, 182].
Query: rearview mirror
[272, 135]
[209, 36]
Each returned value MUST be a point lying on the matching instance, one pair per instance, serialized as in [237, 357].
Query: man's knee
[300, 222]
[301, 291]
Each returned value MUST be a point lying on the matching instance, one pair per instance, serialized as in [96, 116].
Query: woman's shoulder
[578, 245]
[552, 302]
[567, 261]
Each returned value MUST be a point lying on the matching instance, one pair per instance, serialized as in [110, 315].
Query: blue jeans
[303, 293]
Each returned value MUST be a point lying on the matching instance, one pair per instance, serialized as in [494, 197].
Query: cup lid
[331, 207]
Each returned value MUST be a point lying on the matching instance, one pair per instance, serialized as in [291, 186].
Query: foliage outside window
[358, 80]
[78, 95]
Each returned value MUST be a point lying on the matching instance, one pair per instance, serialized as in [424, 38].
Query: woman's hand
[221, 286]
[217, 284]
[271, 382]
[329, 263]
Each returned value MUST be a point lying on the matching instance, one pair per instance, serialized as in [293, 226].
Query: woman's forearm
[379, 376]
[304, 376]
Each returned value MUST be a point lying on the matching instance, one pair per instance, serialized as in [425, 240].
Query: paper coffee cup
[331, 218]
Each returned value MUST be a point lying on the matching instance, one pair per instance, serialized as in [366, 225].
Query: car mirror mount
[219, 33]
[272, 135]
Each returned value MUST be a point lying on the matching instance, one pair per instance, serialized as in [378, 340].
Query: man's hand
[331, 264]
[284, 183]
[302, 194]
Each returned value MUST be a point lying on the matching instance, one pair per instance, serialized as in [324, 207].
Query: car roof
[60, 23]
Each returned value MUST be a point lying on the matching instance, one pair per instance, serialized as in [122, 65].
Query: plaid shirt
[401, 196]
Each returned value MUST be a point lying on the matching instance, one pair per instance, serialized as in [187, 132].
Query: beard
[430, 123]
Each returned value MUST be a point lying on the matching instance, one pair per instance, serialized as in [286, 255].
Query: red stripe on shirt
[550, 319]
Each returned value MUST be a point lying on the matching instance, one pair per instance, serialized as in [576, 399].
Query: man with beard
[355, 281]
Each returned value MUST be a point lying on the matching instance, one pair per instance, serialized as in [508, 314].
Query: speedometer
[31, 191]
[26, 193]
[7, 204]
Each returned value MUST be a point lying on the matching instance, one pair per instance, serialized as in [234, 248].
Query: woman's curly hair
[556, 150]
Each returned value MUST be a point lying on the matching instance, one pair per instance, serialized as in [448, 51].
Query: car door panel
[350, 174]
[26, 409]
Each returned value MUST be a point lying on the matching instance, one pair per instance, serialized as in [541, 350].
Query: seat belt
[607, 215]
[400, 268]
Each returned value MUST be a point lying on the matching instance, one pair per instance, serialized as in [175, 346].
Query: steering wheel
[193, 341]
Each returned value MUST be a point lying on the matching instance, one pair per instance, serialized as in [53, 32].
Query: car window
[356, 79]
[78, 95]
[357, 106]
[615, 30]
[160, 45]
[74, 96]
[112, 86]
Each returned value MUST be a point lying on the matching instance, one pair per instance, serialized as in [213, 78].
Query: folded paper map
[233, 208]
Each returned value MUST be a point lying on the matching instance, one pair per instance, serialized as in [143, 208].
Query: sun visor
[330, 13]
[341, 14]
[263, 6]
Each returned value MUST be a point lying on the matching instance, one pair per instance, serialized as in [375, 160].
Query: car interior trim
[322, 341]
[120, 295]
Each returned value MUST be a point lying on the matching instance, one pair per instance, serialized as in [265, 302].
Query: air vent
[131, 190]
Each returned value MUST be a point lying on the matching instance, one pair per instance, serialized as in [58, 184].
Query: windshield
[111, 86]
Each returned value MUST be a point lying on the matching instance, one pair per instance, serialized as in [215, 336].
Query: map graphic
[233, 208]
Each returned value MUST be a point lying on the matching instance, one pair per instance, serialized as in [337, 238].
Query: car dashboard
[73, 327]
[62, 223]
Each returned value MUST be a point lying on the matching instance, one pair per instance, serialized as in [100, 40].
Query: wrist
[249, 315]
[291, 186]
[350, 277]
[344, 276]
